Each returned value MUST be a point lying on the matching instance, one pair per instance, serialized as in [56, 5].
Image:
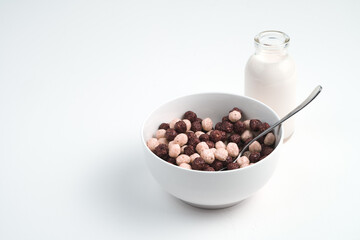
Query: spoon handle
[311, 97]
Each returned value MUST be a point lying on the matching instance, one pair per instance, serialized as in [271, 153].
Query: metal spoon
[311, 97]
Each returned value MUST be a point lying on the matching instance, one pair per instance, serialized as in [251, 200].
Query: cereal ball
[269, 139]
[210, 144]
[174, 150]
[199, 133]
[207, 155]
[209, 169]
[247, 154]
[232, 149]
[227, 127]
[188, 124]
[194, 156]
[246, 135]
[163, 140]
[170, 134]
[247, 124]
[164, 126]
[244, 165]
[224, 136]
[255, 124]
[233, 165]
[181, 139]
[185, 165]
[254, 157]
[204, 137]
[196, 126]
[264, 126]
[190, 134]
[234, 116]
[218, 126]
[198, 164]
[225, 119]
[217, 165]
[216, 135]
[172, 123]
[152, 143]
[189, 150]
[209, 132]
[228, 160]
[207, 124]
[266, 151]
[255, 147]
[198, 120]
[236, 138]
[190, 115]
[235, 109]
[182, 159]
[220, 144]
[160, 133]
[171, 160]
[243, 160]
[161, 150]
[213, 150]
[221, 154]
[201, 146]
[180, 126]
[239, 127]
[194, 141]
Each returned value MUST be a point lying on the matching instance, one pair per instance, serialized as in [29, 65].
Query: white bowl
[211, 189]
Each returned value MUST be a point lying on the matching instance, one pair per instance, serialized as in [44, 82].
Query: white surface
[77, 79]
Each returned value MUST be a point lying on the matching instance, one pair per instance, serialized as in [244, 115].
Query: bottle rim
[272, 39]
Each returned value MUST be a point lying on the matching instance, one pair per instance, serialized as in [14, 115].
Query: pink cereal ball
[182, 159]
[243, 160]
[185, 165]
[194, 156]
[221, 154]
[201, 146]
[207, 124]
[181, 139]
[152, 143]
[213, 150]
[208, 156]
[246, 135]
[163, 140]
[172, 123]
[199, 133]
[220, 144]
[269, 139]
[234, 116]
[247, 124]
[174, 150]
[255, 147]
[160, 133]
[232, 149]
[188, 124]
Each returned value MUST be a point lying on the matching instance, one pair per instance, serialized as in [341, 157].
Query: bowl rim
[257, 164]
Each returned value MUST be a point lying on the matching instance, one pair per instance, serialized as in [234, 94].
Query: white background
[78, 77]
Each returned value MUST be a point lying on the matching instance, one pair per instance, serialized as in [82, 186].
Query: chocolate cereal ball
[189, 150]
[164, 126]
[209, 169]
[190, 115]
[216, 136]
[170, 134]
[233, 165]
[264, 126]
[171, 160]
[210, 144]
[239, 127]
[193, 141]
[217, 165]
[180, 126]
[204, 137]
[198, 164]
[254, 157]
[161, 150]
[196, 126]
[218, 126]
[255, 124]
[227, 127]
[266, 151]
[236, 138]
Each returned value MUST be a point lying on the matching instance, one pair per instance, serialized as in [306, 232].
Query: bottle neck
[271, 43]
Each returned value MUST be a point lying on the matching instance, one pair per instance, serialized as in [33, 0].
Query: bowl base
[212, 206]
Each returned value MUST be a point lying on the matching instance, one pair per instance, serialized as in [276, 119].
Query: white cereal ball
[182, 148]
[255, 147]
[269, 139]
[213, 150]
[188, 124]
[163, 140]
[243, 160]
[208, 156]
[160, 133]
[171, 143]
[234, 116]
[209, 132]
[181, 139]
[220, 144]
[246, 135]
[174, 150]
[182, 159]
[247, 124]
[207, 124]
[194, 156]
[246, 154]
[152, 143]
[245, 165]
[232, 149]
[172, 123]
[221, 154]
[201, 146]
[185, 165]
[199, 133]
